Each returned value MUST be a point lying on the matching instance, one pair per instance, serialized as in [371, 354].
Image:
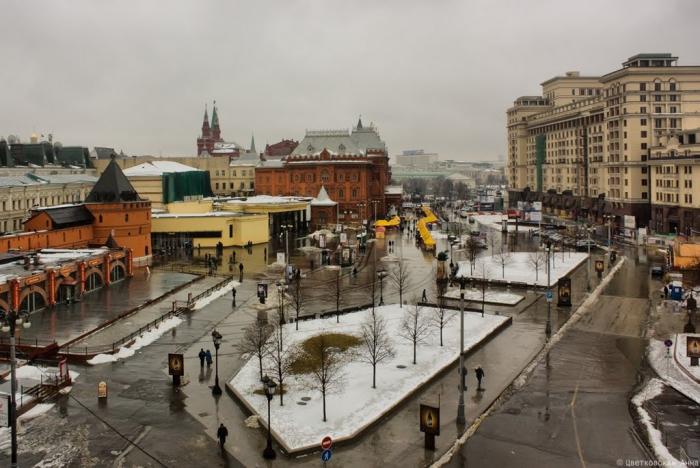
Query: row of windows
[222, 173]
[231, 184]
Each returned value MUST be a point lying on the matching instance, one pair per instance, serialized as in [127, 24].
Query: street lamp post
[281, 290]
[11, 320]
[381, 274]
[548, 327]
[269, 388]
[461, 419]
[588, 243]
[216, 337]
[286, 228]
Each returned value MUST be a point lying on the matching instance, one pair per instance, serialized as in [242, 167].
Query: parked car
[583, 245]
[657, 271]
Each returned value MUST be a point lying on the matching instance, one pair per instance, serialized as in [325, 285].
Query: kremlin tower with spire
[210, 142]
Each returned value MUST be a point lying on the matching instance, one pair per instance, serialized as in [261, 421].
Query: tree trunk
[281, 392]
[374, 375]
[414, 352]
[260, 363]
[442, 325]
[324, 406]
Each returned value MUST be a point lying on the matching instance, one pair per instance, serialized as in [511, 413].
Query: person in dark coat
[233, 291]
[240, 269]
[479, 375]
[221, 434]
[209, 358]
[665, 292]
[425, 297]
[202, 355]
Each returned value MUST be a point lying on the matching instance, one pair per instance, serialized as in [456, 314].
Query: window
[644, 134]
[673, 97]
[644, 170]
[644, 146]
[658, 123]
[217, 186]
[657, 86]
[644, 181]
[673, 123]
[643, 110]
[230, 230]
[126, 218]
[643, 98]
[324, 177]
[672, 86]
[657, 97]
[644, 195]
[642, 121]
[642, 86]
[673, 109]
[341, 194]
[100, 218]
[657, 109]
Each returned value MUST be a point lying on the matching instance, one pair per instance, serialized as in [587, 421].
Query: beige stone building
[584, 148]
[234, 178]
[23, 188]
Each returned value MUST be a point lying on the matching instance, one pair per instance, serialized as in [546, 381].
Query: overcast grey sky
[433, 74]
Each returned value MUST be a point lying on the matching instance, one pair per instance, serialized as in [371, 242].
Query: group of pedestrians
[205, 356]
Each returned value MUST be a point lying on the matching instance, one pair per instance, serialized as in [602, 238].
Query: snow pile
[491, 297]
[357, 404]
[667, 368]
[141, 341]
[216, 294]
[518, 267]
[652, 389]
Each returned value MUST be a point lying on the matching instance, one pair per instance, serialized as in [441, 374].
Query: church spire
[215, 130]
[359, 123]
[205, 122]
[252, 144]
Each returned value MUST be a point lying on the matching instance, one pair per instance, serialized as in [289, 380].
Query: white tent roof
[322, 199]
[157, 168]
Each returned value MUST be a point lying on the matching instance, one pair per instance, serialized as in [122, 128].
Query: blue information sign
[326, 455]
[549, 295]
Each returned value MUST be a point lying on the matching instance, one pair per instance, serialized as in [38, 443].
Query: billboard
[176, 364]
[564, 292]
[693, 346]
[430, 419]
[630, 222]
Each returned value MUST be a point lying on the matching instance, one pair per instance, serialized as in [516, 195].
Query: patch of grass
[260, 391]
[304, 363]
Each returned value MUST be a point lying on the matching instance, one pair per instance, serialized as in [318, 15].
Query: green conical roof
[214, 117]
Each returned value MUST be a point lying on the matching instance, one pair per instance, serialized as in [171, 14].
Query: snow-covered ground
[492, 297]
[215, 295]
[357, 404]
[667, 368]
[494, 221]
[141, 341]
[520, 268]
[652, 389]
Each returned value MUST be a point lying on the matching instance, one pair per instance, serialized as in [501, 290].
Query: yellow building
[196, 222]
[583, 148]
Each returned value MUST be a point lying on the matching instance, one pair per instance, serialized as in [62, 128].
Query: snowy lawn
[492, 297]
[667, 368]
[519, 267]
[357, 405]
[141, 341]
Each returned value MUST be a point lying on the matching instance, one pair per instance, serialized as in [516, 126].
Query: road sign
[326, 443]
[549, 295]
[326, 455]
[668, 343]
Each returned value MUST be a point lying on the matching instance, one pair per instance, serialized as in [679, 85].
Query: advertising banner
[176, 364]
[430, 419]
[564, 292]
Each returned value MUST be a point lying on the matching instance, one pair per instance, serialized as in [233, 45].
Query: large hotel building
[622, 145]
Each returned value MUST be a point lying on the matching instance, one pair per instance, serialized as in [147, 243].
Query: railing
[112, 348]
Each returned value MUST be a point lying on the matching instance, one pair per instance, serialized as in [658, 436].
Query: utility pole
[588, 279]
[548, 327]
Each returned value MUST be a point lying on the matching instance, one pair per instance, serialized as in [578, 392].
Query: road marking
[573, 421]
[117, 461]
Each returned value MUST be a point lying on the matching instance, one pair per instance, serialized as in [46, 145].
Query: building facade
[352, 166]
[583, 147]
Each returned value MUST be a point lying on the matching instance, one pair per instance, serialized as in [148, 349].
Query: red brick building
[280, 149]
[353, 167]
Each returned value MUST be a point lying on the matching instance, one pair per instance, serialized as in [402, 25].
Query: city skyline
[438, 77]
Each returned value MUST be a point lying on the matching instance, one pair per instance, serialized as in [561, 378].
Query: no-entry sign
[326, 443]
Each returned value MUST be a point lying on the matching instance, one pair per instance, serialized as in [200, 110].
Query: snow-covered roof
[267, 199]
[209, 214]
[322, 199]
[157, 168]
[393, 190]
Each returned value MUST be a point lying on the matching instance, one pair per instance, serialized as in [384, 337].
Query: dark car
[657, 271]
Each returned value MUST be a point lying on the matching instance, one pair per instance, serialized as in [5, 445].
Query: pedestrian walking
[266, 254]
[209, 358]
[240, 269]
[233, 291]
[202, 355]
[221, 434]
[424, 298]
[479, 375]
[234, 257]
[665, 292]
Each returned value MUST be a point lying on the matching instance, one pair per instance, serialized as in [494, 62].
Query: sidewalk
[121, 328]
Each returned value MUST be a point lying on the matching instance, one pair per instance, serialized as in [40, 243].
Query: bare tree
[281, 358]
[472, 247]
[536, 259]
[254, 341]
[377, 344]
[414, 326]
[298, 299]
[503, 257]
[327, 366]
[400, 278]
[442, 315]
[334, 294]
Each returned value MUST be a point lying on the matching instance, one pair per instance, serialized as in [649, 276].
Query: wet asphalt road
[573, 411]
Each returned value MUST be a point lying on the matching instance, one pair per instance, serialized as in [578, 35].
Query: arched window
[126, 218]
[100, 218]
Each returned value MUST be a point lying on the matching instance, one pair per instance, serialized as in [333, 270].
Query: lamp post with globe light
[10, 320]
[269, 386]
[216, 337]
